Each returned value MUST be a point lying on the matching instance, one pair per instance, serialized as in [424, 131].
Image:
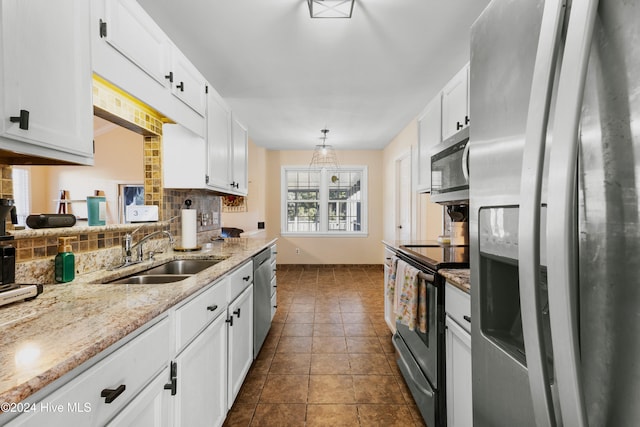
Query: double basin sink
[169, 272]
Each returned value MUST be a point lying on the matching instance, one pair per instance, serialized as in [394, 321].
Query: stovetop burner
[438, 256]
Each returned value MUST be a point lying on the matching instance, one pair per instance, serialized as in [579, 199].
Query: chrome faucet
[128, 247]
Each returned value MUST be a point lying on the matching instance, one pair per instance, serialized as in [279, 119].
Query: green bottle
[65, 262]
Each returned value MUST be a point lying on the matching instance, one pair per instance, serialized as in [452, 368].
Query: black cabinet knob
[212, 307]
[467, 318]
[246, 278]
[466, 120]
[110, 394]
[459, 126]
[169, 77]
[180, 86]
[237, 313]
[22, 119]
[230, 320]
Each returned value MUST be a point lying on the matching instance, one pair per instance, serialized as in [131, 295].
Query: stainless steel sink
[182, 266]
[152, 279]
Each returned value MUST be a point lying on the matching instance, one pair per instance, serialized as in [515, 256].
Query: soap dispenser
[65, 262]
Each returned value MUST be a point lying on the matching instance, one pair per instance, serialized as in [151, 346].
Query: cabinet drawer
[132, 366]
[195, 315]
[273, 268]
[274, 252]
[458, 306]
[274, 304]
[239, 280]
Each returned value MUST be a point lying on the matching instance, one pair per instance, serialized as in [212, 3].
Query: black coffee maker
[7, 252]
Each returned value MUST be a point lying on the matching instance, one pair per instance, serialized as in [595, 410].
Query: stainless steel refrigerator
[554, 213]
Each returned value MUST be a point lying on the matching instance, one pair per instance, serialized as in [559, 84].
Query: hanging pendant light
[330, 8]
[324, 156]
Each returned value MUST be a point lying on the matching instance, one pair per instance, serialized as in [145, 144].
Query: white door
[403, 198]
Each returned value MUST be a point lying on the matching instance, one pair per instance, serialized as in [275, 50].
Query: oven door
[425, 348]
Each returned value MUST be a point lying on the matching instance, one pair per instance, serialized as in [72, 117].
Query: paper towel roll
[189, 228]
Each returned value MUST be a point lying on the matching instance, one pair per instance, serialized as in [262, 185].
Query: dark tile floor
[328, 359]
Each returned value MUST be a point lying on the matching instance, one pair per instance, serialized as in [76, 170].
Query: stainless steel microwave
[450, 170]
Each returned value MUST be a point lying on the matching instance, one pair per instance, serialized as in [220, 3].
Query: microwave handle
[465, 162]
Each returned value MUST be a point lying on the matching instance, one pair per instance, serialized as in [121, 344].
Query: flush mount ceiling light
[324, 156]
[330, 8]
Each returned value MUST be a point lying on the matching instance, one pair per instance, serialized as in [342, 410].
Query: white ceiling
[287, 76]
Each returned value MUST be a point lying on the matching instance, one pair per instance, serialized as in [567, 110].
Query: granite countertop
[458, 277]
[70, 323]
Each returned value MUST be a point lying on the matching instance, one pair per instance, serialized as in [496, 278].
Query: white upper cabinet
[429, 134]
[187, 83]
[455, 103]
[129, 29]
[218, 142]
[240, 154]
[45, 81]
[132, 52]
[183, 158]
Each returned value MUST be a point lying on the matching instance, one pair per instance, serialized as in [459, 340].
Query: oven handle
[430, 278]
[423, 390]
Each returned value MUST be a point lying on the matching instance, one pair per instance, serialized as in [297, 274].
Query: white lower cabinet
[201, 387]
[101, 392]
[458, 358]
[240, 322]
[389, 255]
[150, 408]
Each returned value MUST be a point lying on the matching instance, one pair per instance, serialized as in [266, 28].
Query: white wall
[327, 250]
[118, 160]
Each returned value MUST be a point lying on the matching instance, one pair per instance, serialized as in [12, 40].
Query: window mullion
[324, 201]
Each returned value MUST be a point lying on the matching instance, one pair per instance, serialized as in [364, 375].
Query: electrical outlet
[297, 251]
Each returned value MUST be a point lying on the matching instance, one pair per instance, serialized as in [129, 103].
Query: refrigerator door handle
[529, 212]
[562, 253]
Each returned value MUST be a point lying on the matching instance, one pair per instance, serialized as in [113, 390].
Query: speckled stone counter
[460, 278]
[68, 324]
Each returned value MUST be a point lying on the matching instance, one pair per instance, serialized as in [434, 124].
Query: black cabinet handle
[169, 77]
[212, 307]
[467, 318]
[110, 394]
[458, 125]
[230, 320]
[246, 278]
[275, 306]
[275, 286]
[23, 119]
[102, 29]
[237, 313]
[466, 120]
[180, 86]
[173, 385]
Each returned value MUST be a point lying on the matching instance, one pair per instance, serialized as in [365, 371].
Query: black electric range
[436, 256]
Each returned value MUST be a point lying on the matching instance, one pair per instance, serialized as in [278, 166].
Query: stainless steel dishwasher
[261, 299]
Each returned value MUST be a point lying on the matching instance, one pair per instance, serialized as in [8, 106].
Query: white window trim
[324, 201]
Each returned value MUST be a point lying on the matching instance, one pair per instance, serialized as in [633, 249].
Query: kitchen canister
[97, 210]
[459, 233]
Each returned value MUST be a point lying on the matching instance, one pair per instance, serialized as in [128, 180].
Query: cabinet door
[240, 341]
[218, 141]
[183, 158]
[458, 366]
[131, 31]
[455, 103]
[240, 138]
[45, 70]
[150, 408]
[188, 84]
[201, 394]
[429, 134]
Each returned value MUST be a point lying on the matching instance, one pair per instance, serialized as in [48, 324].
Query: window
[326, 202]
